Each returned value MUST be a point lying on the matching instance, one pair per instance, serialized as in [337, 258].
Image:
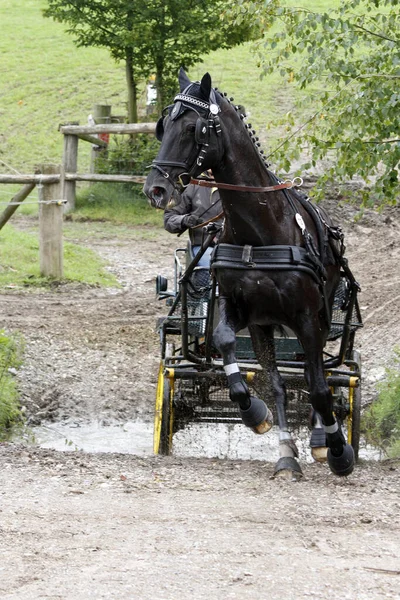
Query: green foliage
[156, 36]
[382, 420]
[10, 359]
[118, 203]
[349, 57]
[19, 262]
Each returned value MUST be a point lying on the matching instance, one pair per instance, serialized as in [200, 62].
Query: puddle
[239, 442]
[133, 437]
[208, 441]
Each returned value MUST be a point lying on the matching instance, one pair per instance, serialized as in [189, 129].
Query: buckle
[182, 182]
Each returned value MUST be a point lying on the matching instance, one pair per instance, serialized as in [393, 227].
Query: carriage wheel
[355, 411]
[163, 418]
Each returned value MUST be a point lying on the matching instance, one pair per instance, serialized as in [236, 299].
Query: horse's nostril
[156, 191]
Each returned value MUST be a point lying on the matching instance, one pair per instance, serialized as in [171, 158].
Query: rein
[285, 185]
[216, 218]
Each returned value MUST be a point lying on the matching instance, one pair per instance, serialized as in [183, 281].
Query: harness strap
[265, 258]
[245, 188]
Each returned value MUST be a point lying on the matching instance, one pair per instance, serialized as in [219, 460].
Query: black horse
[277, 262]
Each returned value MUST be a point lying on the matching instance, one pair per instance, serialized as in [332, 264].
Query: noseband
[206, 122]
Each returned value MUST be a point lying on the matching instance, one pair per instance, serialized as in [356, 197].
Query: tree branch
[332, 146]
[92, 23]
[379, 35]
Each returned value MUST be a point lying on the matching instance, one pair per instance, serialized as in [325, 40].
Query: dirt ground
[78, 525]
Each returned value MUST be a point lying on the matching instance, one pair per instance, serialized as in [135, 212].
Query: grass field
[45, 80]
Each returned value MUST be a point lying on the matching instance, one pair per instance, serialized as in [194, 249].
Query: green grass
[19, 262]
[11, 348]
[118, 203]
[381, 421]
[45, 81]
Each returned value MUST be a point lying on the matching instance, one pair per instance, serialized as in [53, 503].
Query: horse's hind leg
[264, 347]
[340, 454]
[254, 412]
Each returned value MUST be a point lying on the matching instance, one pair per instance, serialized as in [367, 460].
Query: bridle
[207, 121]
[204, 126]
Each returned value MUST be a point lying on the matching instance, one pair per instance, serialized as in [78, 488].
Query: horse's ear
[184, 80]
[205, 86]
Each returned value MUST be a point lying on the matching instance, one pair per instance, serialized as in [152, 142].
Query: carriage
[192, 385]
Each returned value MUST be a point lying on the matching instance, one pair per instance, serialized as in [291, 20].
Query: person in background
[195, 206]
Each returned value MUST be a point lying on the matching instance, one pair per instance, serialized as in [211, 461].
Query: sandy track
[77, 526]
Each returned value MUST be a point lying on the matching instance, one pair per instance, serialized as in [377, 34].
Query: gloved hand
[190, 221]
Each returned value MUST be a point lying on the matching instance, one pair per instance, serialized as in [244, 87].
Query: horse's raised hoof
[320, 454]
[258, 416]
[288, 468]
[342, 465]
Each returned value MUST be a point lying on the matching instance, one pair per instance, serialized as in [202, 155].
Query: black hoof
[342, 465]
[290, 466]
[256, 414]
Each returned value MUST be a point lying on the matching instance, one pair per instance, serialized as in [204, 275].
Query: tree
[354, 51]
[152, 37]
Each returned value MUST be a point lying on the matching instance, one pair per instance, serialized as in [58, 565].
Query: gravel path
[79, 525]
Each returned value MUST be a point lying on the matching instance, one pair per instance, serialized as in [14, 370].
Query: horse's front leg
[264, 347]
[340, 454]
[253, 411]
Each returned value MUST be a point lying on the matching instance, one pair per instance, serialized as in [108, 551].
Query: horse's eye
[191, 128]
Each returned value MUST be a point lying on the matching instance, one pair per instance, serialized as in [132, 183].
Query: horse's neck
[242, 164]
[252, 218]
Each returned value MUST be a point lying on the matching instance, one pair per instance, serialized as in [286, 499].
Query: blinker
[201, 132]
[177, 109]
[160, 129]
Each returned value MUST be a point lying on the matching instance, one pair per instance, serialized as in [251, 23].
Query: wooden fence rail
[15, 202]
[45, 179]
[36, 178]
[123, 128]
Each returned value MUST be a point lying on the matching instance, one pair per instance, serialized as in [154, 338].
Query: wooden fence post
[50, 224]
[70, 165]
[101, 115]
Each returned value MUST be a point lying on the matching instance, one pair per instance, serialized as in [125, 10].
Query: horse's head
[189, 132]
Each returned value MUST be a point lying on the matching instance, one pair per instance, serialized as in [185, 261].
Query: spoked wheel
[354, 418]
[163, 418]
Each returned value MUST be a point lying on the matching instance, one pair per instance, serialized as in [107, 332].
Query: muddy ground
[78, 525]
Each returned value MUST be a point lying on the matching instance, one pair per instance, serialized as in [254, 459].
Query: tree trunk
[160, 89]
[132, 88]
[160, 61]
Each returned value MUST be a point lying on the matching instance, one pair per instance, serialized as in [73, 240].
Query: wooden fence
[74, 133]
[57, 188]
